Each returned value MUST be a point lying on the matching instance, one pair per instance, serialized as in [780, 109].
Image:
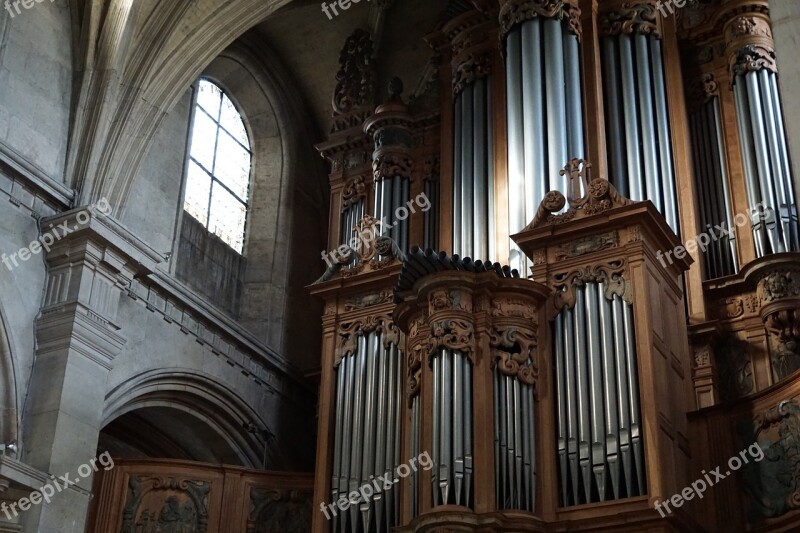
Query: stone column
[91, 261]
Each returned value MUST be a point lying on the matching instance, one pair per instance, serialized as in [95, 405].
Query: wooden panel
[151, 496]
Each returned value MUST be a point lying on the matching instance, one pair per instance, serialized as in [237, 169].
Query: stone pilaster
[90, 265]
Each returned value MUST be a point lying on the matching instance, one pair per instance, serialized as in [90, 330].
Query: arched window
[218, 173]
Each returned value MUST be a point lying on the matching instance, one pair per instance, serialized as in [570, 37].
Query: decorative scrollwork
[474, 67]
[347, 336]
[612, 274]
[515, 12]
[752, 58]
[452, 334]
[354, 191]
[392, 164]
[631, 18]
[513, 353]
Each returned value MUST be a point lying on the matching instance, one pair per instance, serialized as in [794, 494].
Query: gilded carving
[783, 327]
[443, 299]
[416, 346]
[473, 67]
[702, 357]
[631, 18]
[354, 191]
[514, 308]
[752, 58]
[392, 164]
[350, 331]
[779, 285]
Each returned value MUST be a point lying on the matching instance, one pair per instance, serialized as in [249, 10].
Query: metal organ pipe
[473, 174]
[638, 111]
[366, 444]
[712, 181]
[544, 113]
[452, 428]
[767, 175]
[600, 453]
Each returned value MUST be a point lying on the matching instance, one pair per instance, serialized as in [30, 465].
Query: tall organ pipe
[473, 174]
[712, 182]
[366, 443]
[599, 446]
[637, 111]
[544, 109]
[767, 173]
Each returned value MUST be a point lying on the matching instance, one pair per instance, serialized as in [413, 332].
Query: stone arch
[167, 53]
[196, 394]
[288, 183]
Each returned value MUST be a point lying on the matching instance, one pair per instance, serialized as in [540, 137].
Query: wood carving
[631, 18]
[166, 505]
[355, 80]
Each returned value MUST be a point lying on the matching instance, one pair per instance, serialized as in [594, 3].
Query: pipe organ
[711, 176]
[544, 106]
[598, 415]
[555, 393]
[640, 150]
[763, 138]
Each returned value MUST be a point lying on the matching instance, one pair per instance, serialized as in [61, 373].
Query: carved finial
[577, 171]
[586, 196]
